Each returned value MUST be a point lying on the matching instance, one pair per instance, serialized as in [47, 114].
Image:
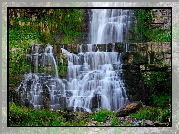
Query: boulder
[128, 108]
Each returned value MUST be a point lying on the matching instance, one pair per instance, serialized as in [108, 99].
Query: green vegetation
[67, 22]
[152, 113]
[101, 115]
[23, 116]
[115, 121]
[144, 32]
[157, 81]
[62, 69]
[40, 28]
[159, 86]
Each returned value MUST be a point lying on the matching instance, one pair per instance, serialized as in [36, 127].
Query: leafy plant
[160, 100]
[142, 32]
[115, 121]
[152, 113]
[62, 69]
[101, 115]
[159, 86]
[148, 113]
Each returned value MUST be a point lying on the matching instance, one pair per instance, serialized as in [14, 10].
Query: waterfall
[110, 25]
[37, 89]
[93, 75]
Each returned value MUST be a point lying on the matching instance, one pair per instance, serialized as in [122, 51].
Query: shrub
[23, 116]
[151, 113]
[102, 114]
[159, 85]
[115, 121]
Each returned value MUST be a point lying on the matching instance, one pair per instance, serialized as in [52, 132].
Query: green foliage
[102, 114]
[160, 100]
[165, 115]
[20, 35]
[22, 116]
[62, 69]
[148, 113]
[159, 86]
[142, 32]
[161, 35]
[41, 69]
[115, 121]
[152, 113]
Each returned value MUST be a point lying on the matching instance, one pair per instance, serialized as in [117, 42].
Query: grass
[23, 116]
[152, 113]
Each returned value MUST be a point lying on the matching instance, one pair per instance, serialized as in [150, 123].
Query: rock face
[72, 109]
[129, 108]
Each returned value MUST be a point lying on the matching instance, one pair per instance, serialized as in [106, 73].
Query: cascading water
[93, 75]
[37, 89]
[110, 25]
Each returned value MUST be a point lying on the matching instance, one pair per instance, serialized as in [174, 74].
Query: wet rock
[101, 47]
[119, 47]
[129, 108]
[69, 47]
[47, 104]
[72, 109]
[110, 47]
[75, 48]
[95, 109]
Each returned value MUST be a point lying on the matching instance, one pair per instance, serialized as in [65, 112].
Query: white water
[38, 88]
[48, 54]
[110, 25]
[93, 79]
[95, 76]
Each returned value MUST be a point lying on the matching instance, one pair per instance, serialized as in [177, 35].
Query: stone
[72, 109]
[129, 108]
[69, 47]
[101, 47]
[148, 123]
[75, 48]
[47, 104]
[119, 47]
[109, 47]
